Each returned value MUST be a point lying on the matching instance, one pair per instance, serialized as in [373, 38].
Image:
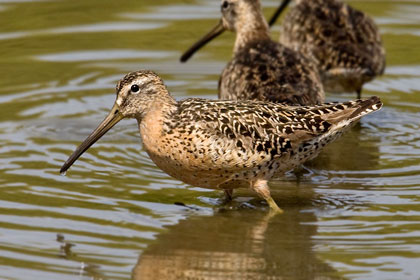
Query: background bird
[261, 69]
[343, 42]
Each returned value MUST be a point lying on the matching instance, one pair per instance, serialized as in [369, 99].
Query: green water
[354, 213]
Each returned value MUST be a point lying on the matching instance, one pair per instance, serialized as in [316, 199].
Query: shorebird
[343, 42]
[224, 144]
[261, 69]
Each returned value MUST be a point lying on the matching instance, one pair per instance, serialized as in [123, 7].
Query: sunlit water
[354, 213]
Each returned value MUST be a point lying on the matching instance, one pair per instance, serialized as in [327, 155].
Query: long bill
[278, 12]
[216, 31]
[112, 119]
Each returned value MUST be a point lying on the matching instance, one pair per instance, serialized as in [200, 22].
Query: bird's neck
[151, 126]
[251, 28]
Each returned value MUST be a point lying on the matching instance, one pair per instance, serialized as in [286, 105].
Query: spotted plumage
[222, 144]
[261, 69]
[343, 42]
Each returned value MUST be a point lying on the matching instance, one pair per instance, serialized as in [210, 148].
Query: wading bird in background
[343, 42]
[261, 69]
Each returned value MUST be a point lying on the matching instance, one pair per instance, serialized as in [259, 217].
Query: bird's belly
[191, 174]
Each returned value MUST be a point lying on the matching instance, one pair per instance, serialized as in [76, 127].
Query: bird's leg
[228, 195]
[261, 188]
[359, 93]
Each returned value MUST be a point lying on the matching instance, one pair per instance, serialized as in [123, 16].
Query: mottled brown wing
[270, 129]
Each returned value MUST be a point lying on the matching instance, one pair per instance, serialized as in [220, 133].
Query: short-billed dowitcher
[261, 69]
[224, 144]
[343, 42]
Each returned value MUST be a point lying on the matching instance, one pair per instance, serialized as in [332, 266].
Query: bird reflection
[244, 244]
[65, 247]
[86, 269]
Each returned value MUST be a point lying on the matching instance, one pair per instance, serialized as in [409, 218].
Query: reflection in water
[236, 245]
[85, 269]
[65, 248]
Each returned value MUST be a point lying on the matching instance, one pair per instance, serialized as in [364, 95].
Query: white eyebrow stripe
[140, 82]
[126, 90]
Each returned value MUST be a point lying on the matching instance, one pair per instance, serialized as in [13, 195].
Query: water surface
[354, 213]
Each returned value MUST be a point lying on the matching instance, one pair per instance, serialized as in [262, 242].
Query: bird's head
[137, 93]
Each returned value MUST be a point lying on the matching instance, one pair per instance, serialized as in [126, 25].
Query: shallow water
[354, 213]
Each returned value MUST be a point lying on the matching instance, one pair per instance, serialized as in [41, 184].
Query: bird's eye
[135, 88]
[225, 4]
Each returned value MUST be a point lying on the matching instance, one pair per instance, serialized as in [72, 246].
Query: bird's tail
[339, 117]
[343, 114]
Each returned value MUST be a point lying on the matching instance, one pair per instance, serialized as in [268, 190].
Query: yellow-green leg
[262, 189]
